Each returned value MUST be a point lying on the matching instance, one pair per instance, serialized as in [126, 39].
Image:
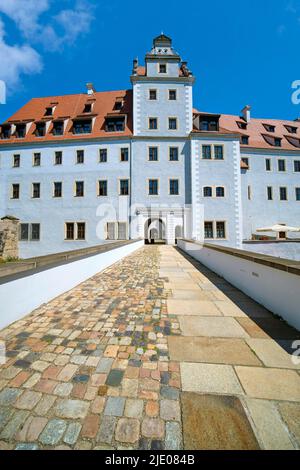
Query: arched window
[207, 191]
[220, 191]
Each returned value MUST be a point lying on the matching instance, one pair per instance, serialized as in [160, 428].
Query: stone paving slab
[212, 350]
[272, 384]
[272, 354]
[219, 327]
[216, 423]
[192, 307]
[209, 378]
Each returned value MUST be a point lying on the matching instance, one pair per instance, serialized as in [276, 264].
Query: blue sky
[241, 52]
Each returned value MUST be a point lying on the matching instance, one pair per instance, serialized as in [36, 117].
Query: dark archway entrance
[155, 231]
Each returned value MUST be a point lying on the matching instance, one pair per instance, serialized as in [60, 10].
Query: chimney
[135, 66]
[246, 113]
[90, 89]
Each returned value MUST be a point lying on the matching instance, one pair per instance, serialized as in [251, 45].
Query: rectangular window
[220, 227]
[79, 188]
[270, 193]
[124, 187]
[162, 68]
[36, 159]
[87, 108]
[82, 126]
[36, 190]
[283, 194]
[173, 154]
[48, 111]
[152, 95]
[80, 156]
[102, 188]
[207, 191]
[115, 124]
[245, 139]
[111, 230]
[58, 158]
[5, 131]
[281, 165]
[174, 187]
[81, 231]
[124, 154]
[153, 154]
[153, 187]
[219, 153]
[268, 164]
[277, 142]
[58, 128]
[206, 152]
[35, 232]
[15, 191]
[297, 191]
[122, 230]
[40, 129]
[103, 155]
[16, 161]
[57, 189]
[153, 123]
[208, 230]
[172, 124]
[297, 166]
[70, 231]
[246, 161]
[220, 191]
[20, 131]
[172, 95]
[24, 232]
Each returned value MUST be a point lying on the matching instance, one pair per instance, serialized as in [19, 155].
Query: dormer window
[274, 141]
[162, 68]
[115, 124]
[58, 128]
[244, 140]
[87, 108]
[269, 128]
[20, 131]
[208, 123]
[49, 111]
[291, 129]
[40, 129]
[5, 131]
[82, 126]
[242, 125]
[277, 142]
[118, 104]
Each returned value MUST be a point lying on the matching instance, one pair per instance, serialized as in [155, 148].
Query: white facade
[163, 120]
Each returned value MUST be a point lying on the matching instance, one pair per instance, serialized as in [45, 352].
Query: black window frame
[36, 190]
[153, 154]
[15, 193]
[124, 187]
[283, 192]
[102, 188]
[79, 157]
[37, 158]
[172, 182]
[58, 157]
[171, 157]
[79, 188]
[57, 189]
[153, 187]
[103, 153]
[16, 160]
[124, 154]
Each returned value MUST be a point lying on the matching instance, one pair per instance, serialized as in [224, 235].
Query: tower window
[246, 161]
[220, 192]
[153, 154]
[124, 154]
[162, 68]
[219, 153]
[206, 152]
[152, 95]
[172, 95]
[172, 124]
[174, 187]
[207, 191]
[153, 123]
[124, 187]
[153, 187]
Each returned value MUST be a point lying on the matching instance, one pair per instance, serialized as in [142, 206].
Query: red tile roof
[71, 107]
[256, 131]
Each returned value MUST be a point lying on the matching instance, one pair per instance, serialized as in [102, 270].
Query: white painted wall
[20, 297]
[273, 288]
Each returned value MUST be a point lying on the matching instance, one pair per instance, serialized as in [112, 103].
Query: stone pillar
[9, 235]
[170, 229]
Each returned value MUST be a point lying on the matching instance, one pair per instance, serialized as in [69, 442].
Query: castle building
[79, 170]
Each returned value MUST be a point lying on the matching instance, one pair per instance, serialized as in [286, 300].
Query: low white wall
[273, 288]
[19, 297]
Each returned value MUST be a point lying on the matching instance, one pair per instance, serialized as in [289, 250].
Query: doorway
[155, 231]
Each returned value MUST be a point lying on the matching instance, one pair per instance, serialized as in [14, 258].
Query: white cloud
[42, 24]
[16, 60]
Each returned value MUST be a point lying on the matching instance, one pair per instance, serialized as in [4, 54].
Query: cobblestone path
[100, 367]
